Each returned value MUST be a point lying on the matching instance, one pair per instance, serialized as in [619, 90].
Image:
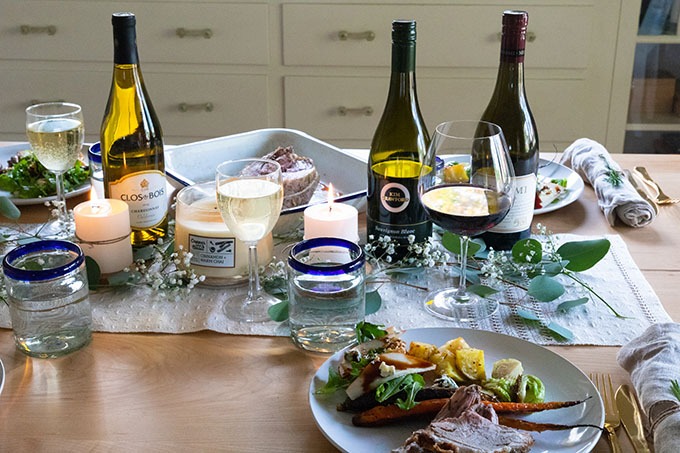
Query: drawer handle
[205, 32]
[206, 106]
[28, 29]
[344, 111]
[346, 35]
[531, 36]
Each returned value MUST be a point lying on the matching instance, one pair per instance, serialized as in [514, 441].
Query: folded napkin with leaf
[652, 360]
[616, 196]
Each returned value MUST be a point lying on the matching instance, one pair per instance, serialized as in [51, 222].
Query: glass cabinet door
[653, 124]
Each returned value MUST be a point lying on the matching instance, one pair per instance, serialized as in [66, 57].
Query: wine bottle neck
[125, 46]
[404, 57]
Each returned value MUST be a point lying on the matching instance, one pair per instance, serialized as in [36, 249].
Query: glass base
[448, 304]
[54, 344]
[323, 339]
[240, 308]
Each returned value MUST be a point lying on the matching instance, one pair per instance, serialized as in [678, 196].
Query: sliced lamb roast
[300, 178]
[466, 425]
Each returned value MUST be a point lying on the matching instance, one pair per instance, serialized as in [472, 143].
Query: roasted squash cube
[470, 363]
[421, 350]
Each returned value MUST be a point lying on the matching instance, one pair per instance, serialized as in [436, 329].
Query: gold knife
[631, 417]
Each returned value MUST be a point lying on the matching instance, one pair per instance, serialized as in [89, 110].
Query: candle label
[212, 252]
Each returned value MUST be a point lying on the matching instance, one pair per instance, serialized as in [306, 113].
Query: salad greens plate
[563, 381]
[7, 152]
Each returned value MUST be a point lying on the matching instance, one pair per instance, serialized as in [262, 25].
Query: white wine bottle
[132, 141]
[509, 109]
[398, 147]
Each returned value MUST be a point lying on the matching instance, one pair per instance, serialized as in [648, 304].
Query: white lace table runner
[616, 278]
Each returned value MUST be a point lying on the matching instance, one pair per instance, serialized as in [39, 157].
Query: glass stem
[461, 293]
[61, 198]
[253, 274]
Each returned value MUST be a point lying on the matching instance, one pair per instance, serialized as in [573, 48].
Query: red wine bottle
[509, 109]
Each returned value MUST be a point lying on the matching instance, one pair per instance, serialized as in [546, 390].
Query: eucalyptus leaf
[569, 304]
[451, 242]
[552, 269]
[482, 290]
[144, 253]
[118, 279]
[527, 314]
[373, 302]
[278, 312]
[560, 331]
[404, 272]
[583, 255]
[527, 251]
[544, 288]
[9, 209]
[94, 273]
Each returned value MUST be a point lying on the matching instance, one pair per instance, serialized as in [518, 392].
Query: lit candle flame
[331, 197]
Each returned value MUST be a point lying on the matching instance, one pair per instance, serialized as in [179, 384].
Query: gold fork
[603, 382]
[662, 198]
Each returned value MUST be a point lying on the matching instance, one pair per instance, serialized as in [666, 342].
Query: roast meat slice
[466, 425]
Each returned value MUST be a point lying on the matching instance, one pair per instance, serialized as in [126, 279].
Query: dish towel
[593, 163]
[652, 360]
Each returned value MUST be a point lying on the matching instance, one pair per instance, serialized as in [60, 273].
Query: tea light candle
[331, 220]
[103, 229]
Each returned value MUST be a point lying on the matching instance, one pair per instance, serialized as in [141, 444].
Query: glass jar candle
[49, 305]
[326, 293]
[216, 253]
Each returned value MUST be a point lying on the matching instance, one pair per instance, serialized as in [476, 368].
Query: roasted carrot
[538, 427]
[383, 415]
[527, 408]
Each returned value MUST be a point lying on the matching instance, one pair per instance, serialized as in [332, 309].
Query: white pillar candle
[103, 229]
[216, 253]
[331, 219]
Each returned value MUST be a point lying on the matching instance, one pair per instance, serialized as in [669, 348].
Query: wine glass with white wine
[471, 192]
[55, 132]
[250, 197]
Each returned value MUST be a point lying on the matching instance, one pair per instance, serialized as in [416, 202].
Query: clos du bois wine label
[145, 195]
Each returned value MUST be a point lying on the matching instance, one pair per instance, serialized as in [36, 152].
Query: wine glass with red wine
[466, 187]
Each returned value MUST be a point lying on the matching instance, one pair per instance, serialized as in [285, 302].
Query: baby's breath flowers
[381, 253]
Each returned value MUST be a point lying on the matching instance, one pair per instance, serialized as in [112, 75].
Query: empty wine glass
[249, 197]
[471, 192]
[55, 132]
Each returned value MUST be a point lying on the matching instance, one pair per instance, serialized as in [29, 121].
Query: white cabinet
[220, 67]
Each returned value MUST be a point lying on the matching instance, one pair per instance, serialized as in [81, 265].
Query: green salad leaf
[28, 178]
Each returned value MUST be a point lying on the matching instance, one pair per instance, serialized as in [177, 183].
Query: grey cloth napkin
[593, 163]
[653, 361]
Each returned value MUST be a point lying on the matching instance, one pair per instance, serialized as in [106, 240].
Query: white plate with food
[563, 382]
[7, 152]
[558, 186]
[196, 162]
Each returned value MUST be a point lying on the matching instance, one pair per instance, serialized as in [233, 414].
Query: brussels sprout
[509, 369]
[530, 390]
[501, 388]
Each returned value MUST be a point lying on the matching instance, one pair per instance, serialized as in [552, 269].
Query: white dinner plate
[2, 376]
[553, 170]
[6, 153]
[563, 381]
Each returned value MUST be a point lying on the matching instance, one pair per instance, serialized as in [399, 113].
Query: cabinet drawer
[208, 105]
[89, 89]
[313, 104]
[237, 102]
[448, 35]
[82, 31]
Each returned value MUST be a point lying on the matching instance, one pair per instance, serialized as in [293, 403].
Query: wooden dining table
[211, 391]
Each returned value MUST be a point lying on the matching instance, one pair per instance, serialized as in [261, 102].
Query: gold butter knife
[631, 418]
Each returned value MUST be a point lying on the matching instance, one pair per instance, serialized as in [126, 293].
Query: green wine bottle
[509, 109]
[132, 141]
[398, 147]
